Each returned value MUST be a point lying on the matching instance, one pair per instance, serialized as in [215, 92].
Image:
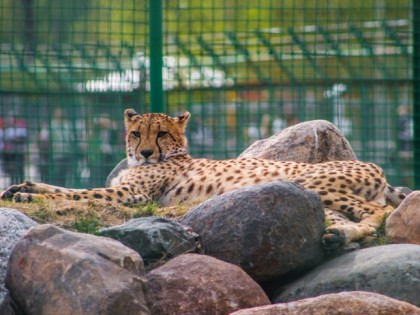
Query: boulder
[156, 239]
[13, 225]
[53, 271]
[403, 224]
[6, 304]
[122, 165]
[314, 141]
[199, 284]
[391, 270]
[268, 230]
[344, 303]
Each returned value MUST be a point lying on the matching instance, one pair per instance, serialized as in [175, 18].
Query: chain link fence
[244, 69]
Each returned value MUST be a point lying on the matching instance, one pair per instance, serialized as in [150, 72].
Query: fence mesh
[244, 69]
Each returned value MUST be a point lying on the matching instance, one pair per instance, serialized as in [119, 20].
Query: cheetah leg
[33, 188]
[118, 194]
[366, 218]
[342, 230]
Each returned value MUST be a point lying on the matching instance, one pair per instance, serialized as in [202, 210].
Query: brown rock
[53, 271]
[344, 303]
[403, 225]
[200, 284]
[313, 141]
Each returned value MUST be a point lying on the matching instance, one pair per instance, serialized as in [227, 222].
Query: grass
[149, 209]
[89, 224]
[327, 223]
[381, 238]
[89, 217]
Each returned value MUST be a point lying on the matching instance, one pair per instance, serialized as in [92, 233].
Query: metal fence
[244, 69]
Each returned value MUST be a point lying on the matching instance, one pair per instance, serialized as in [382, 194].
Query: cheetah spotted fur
[354, 193]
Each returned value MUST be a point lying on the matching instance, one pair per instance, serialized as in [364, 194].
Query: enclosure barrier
[244, 69]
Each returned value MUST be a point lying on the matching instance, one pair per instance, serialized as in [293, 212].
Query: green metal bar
[110, 56]
[191, 57]
[394, 37]
[60, 55]
[277, 56]
[416, 92]
[337, 50]
[156, 55]
[365, 45]
[306, 53]
[241, 49]
[207, 47]
[187, 52]
[56, 77]
[23, 66]
[86, 55]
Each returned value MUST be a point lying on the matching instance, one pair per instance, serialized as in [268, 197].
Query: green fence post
[416, 92]
[156, 55]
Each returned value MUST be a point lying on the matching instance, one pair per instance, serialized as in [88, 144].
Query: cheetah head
[152, 138]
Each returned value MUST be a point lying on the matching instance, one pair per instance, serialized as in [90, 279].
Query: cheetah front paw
[22, 197]
[12, 191]
[333, 239]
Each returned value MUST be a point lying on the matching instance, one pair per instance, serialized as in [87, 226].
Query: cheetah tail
[394, 196]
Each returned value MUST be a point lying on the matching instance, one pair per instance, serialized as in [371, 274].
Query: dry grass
[88, 216]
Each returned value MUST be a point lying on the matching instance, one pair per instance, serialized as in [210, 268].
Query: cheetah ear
[183, 120]
[129, 115]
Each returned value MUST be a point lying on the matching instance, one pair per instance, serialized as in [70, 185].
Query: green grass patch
[89, 224]
[381, 237]
[150, 209]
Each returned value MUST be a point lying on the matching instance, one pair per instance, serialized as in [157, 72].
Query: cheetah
[354, 193]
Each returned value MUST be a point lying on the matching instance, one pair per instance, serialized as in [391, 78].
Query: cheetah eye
[162, 134]
[135, 134]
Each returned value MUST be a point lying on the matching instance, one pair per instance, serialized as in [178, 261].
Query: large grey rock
[122, 165]
[391, 270]
[199, 284]
[7, 306]
[13, 225]
[156, 239]
[53, 271]
[403, 224]
[344, 303]
[268, 230]
[314, 141]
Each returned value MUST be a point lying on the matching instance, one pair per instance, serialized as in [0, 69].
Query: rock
[344, 303]
[391, 270]
[403, 224]
[199, 284]
[13, 225]
[313, 141]
[405, 190]
[115, 172]
[6, 303]
[268, 230]
[53, 271]
[156, 239]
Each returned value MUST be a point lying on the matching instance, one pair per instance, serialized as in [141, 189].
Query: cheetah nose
[146, 153]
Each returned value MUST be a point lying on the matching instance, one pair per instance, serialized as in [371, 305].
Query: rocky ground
[257, 250]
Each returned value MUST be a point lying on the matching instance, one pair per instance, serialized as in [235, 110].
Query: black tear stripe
[135, 150]
[158, 146]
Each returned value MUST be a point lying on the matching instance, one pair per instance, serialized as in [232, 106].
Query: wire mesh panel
[248, 69]
[68, 69]
[244, 69]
